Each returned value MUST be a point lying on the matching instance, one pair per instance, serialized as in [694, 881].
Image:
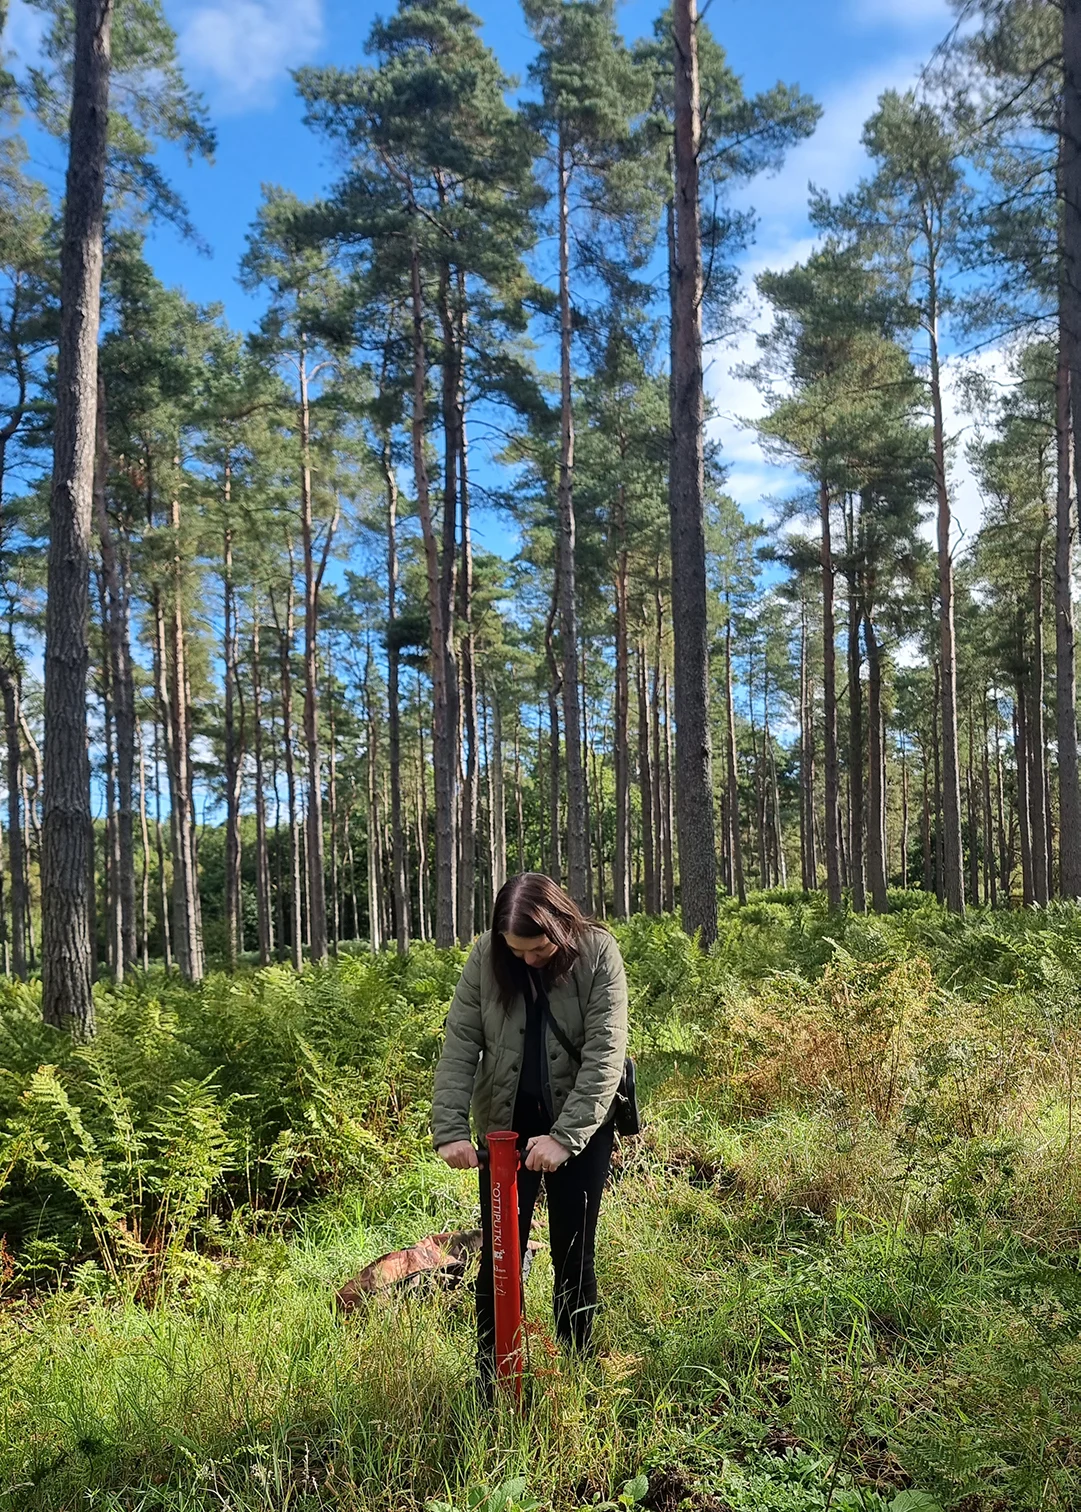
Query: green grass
[841, 1269]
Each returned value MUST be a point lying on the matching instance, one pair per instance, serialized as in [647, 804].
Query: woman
[542, 960]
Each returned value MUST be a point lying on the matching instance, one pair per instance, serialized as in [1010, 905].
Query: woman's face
[534, 950]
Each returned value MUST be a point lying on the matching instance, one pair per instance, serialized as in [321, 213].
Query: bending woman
[541, 960]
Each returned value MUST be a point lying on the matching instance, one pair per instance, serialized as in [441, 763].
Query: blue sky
[239, 53]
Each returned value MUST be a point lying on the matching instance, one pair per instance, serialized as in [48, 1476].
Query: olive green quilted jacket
[482, 1054]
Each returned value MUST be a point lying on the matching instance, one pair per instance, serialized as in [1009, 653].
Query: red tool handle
[506, 1259]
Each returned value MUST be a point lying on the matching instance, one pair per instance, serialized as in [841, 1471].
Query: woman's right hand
[460, 1154]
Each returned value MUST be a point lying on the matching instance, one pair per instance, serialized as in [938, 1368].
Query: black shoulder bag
[624, 1112]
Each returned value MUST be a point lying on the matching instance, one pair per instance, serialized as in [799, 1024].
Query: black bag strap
[541, 997]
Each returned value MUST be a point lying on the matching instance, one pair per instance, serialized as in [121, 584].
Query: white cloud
[908, 14]
[23, 35]
[243, 48]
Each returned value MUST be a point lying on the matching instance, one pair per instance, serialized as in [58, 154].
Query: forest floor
[841, 1268]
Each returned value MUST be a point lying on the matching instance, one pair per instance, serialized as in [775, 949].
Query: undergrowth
[840, 1268]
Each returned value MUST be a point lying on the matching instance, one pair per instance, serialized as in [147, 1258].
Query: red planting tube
[506, 1259]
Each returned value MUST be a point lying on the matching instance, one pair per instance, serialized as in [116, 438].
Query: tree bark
[233, 754]
[695, 828]
[159, 844]
[394, 715]
[185, 867]
[285, 646]
[876, 817]
[735, 841]
[262, 856]
[144, 828]
[467, 876]
[668, 811]
[645, 782]
[1068, 406]
[497, 798]
[117, 629]
[950, 838]
[555, 680]
[1020, 741]
[1036, 752]
[831, 760]
[577, 825]
[313, 581]
[16, 847]
[857, 874]
[444, 722]
[67, 997]
[621, 900]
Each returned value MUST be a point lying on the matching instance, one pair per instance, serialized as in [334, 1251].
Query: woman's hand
[543, 1153]
[460, 1154]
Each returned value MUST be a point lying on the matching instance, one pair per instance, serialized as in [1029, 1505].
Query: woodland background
[276, 728]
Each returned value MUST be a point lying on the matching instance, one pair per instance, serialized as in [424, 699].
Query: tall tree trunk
[66, 887]
[876, 817]
[185, 870]
[285, 646]
[582, 690]
[577, 825]
[144, 828]
[16, 848]
[806, 827]
[497, 799]
[332, 805]
[555, 680]
[159, 846]
[656, 903]
[973, 821]
[990, 871]
[598, 822]
[645, 781]
[686, 499]
[1005, 866]
[904, 816]
[394, 717]
[668, 814]
[621, 901]
[423, 895]
[233, 759]
[279, 868]
[443, 714]
[951, 859]
[1068, 406]
[467, 877]
[375, 912]
[116, 615]
[519, 813]
[758, 823]
[313, 581]
[114, 948]
[262, 858]
[857, 873]
[831, 760]
[926, 829]
[1021, 743]
[1036, 749]
[735, 841]
[936, 746]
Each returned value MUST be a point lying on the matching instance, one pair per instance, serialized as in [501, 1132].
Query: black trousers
[574, 1199]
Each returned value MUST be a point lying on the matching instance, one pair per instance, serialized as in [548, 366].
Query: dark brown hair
[530, 905]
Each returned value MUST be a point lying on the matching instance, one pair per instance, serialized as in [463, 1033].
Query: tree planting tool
[506, 1259]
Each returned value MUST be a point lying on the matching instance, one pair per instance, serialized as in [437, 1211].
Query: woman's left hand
[543, 1153]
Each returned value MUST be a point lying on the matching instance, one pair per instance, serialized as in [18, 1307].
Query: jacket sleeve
[462, 1050]
[604, 1051]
